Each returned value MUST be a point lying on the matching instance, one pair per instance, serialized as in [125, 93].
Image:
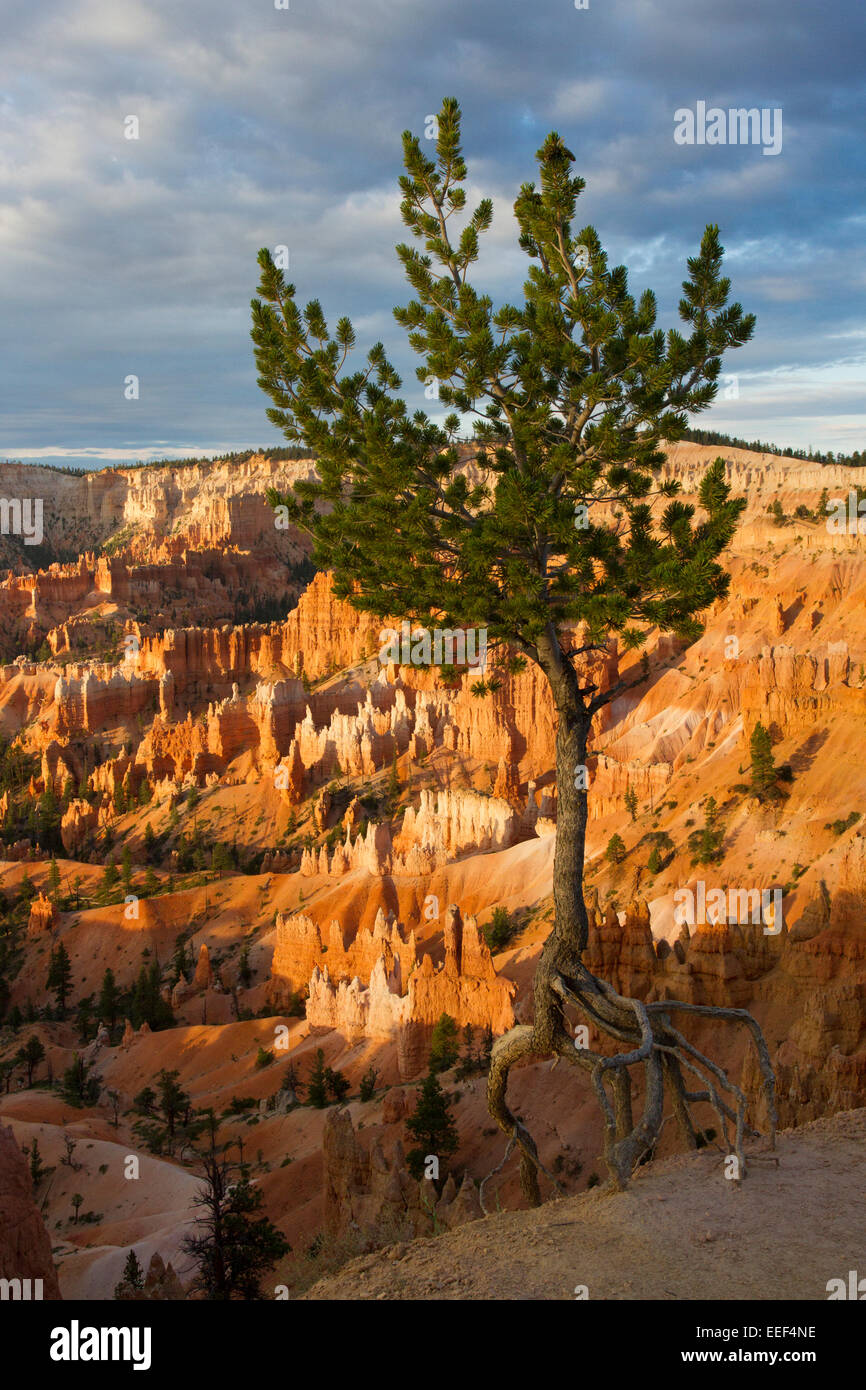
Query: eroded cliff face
[25, 1246]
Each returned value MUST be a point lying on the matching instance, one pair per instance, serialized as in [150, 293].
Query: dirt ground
[682, 1231]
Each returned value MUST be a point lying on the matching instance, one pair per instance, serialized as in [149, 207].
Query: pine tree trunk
[571, 927]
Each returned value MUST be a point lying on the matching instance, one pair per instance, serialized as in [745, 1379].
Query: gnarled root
[654, 1043]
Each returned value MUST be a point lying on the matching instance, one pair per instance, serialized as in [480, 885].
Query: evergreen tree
[78, 1087]
[37, 1167]
[110, 877]
[631, 802]
[654, 863]
[53, 879]
[710, 838]
[394, 782]
[145, 1102]
[337, 1084]
[368, 1083]
[172, 1100]
[317, 1086]
[432, 1126]
[180, 963]
[109, 999]
[29, 1056]
[616, 850]
[126, 870]
[571, 390]
[245, 974]
[60, 978]
[132, 1277]
[292, 1085]
[149, 840]
[499, 930]
[444, 1048]
[764, 772]
[233, 1247]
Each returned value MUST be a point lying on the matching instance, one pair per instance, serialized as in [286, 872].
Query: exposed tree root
[655, 1044]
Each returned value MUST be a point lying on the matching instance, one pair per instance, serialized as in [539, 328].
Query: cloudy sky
[260, 126]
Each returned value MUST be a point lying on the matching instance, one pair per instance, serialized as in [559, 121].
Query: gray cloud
[260, 127]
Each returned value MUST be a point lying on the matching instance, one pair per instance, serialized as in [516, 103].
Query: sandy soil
[682, 1231]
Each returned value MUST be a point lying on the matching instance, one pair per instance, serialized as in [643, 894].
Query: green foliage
[337, 1084]
[631, 802]
[264, 1057]
[499, 930]
[368, 1083]
[60, 977]
[706, 844]
[29, 1056]
[232, 1245]
[78, 1087]
[572, 388]
[444, 1048]
[172, 1100]
[432, 1126]
[317, 1086]
[245, 974]
[616, 850]
[132, 1277]
[37, 1167]
[764, 774]
[109, 999]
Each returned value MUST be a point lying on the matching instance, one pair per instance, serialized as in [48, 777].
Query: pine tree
[616, 850]
[53, 879]
[654, 863]
[317, 1086]
[245, 974]
[394, 782]
[710, 838]
[110, 877]
[37, 1167]
[337, 1084]
[29, 1057]
[571, 390]
[172, 1100]
[78, 1087]
[132, 1277]
[444, 1048]
[631, 802]
[233, 1247]
[764, 773]
[432, 1125]
[368, 1083]
[109, 999]
[60, 978]
[126, 870]
[291, 1085]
